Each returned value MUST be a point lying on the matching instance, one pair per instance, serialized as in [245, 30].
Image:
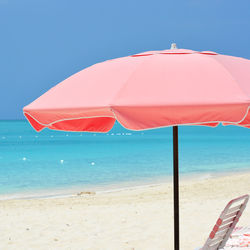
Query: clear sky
[43, 42]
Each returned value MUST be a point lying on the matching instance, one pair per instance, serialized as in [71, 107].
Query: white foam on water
[61, 161]
[92, 163]
[24, 158]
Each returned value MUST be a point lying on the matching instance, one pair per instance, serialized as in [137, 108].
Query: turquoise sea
[52, 161]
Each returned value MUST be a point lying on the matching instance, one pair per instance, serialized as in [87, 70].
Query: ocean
[56, 163]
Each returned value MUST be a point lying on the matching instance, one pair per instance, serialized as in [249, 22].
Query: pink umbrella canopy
[149, 90]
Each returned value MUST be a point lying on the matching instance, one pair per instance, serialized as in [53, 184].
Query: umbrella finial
[173, 46]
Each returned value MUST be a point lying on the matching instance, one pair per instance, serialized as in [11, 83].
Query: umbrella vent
[173, 46]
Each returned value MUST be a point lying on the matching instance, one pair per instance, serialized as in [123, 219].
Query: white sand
[140, 218]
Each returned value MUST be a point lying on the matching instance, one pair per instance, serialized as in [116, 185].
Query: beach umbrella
[150, 90]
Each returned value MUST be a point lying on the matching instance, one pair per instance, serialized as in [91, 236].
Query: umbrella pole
[176, 187]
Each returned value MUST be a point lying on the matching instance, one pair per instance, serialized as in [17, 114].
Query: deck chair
[225, 224]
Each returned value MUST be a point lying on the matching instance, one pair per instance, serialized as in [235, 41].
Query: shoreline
[132, 218]
[118, 187]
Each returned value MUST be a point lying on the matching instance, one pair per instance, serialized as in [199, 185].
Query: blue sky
[44, 41]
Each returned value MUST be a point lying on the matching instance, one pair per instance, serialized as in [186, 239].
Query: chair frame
[226, 223]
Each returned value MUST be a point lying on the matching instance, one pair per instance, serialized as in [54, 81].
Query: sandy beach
[134, 218]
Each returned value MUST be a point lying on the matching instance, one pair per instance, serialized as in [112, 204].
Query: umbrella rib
[233, 78]
[130, 76]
